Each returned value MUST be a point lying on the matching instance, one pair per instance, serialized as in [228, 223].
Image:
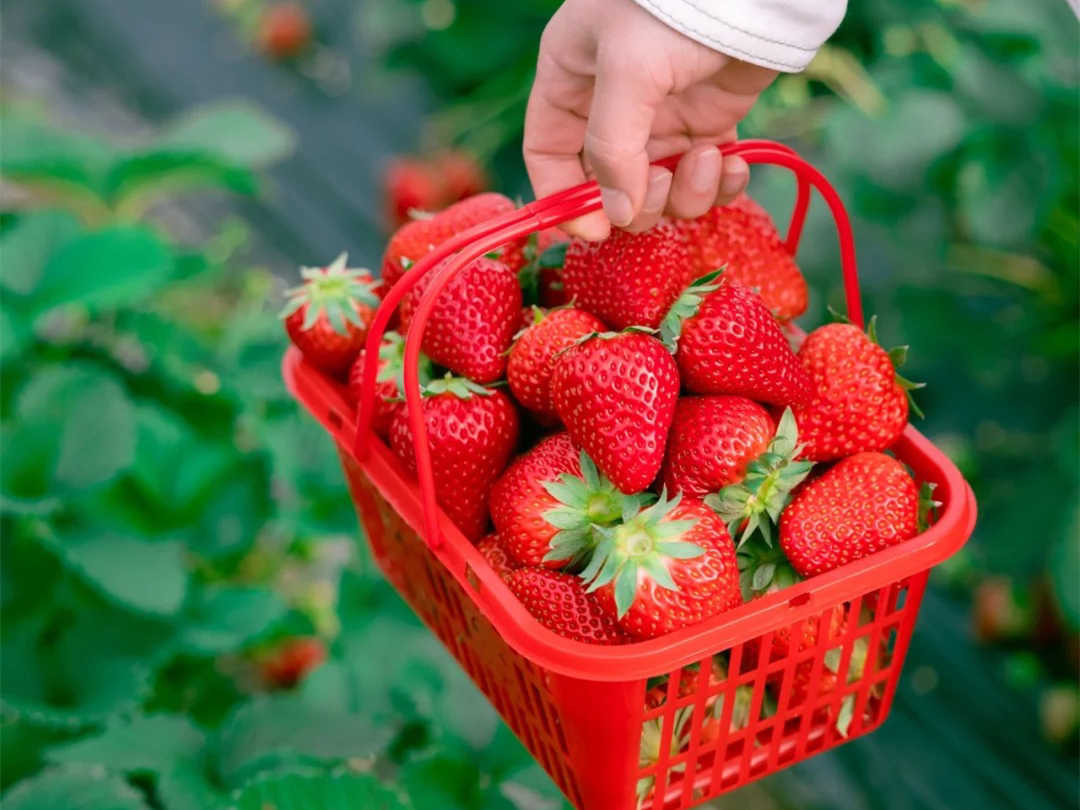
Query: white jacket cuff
[780, 34]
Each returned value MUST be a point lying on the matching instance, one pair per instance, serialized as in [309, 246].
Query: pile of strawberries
[630, 417]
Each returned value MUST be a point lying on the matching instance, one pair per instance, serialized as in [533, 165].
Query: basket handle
[547, 212]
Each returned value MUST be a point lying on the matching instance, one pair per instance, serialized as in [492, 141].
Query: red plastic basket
[582, 710]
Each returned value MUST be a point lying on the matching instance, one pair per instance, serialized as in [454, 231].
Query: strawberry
[389, 381]
[414, 240]
[327, 316]
[669, 566]
[494, 552]
[287, 663]
[546, 504]
[616, 394]
[471, 431]
[534, 353]
[529, 316]
[460, 175]
[861, 505]
[284, 31]
[560, 603]
[409, 185]
[473, 321]
[629, 279]
[755, 502]
[538, 261]
[737, 238]
[726, 342]
[712, 441]
[758, 217]
[861, 403]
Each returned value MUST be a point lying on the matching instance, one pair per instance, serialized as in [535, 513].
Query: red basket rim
[956, 519]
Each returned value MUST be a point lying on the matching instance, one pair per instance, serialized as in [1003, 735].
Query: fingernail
[736, 176]
[705, 171]
[617, 206]
[657, 193]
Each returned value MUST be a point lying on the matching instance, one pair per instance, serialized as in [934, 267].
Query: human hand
[615, 89]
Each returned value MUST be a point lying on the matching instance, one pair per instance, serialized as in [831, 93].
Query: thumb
[624, 103]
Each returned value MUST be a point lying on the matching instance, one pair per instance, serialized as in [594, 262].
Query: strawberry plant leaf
[75, 787]
[225, 618]
[308, 788]
[237, 131]
[26, 247]
[148, 577]
[142, 743]
[134, 181]
[104, 269]
[36, 152]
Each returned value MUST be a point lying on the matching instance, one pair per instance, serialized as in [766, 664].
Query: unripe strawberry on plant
[473, 321]
[560, 603]
[548, 502]
[414, 240]
[726, 342]
[860, 401]
[628, 279]
[739, 239]
[616, 394]
[284, 31]
[669, 566]
[862, 505]
[471, 431]
[389, 380]
[328, 315]
[536, 350]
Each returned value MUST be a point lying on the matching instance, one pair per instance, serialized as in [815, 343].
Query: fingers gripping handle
[547, 212]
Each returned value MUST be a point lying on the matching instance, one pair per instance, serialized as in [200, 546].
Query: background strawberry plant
[177, 546]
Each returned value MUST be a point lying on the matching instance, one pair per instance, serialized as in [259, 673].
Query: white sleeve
[780, 34]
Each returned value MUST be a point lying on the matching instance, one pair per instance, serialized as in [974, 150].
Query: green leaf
[108, 268]
[1064, 569]
[310, 789]
[227, 618]
[236, 131]
[26, 247]
[35, 151]
[143, 743]
[97, 437]
[74, 788]
[149, 577]
[133, 181]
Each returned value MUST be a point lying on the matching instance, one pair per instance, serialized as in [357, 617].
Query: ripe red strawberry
[757, 215]
[670, 566]
[284, 30]
[862, 505]
[529, 316]
[559, 602]
[728, 343]
[546, 504]
[471, 431]
[736, 238]
[416, 239]
[629, 279]
[494, 552]
[389, 380]
[287, 663]
[461, 175]
[473, 321]
[616, 394]
[807, 635]
[410, 185]
[327, 316]
[861, 403]
[533, 356]
[712, 440]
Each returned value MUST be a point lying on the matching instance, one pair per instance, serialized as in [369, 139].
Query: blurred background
[189, 620]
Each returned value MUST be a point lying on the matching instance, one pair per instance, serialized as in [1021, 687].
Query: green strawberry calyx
[927, 505]
[460, 387]
[763, 569]
[333, 291]
[641, 544]
[686, 306]
[754, 504]
[586, 503]
[529, 274]
[392, 362]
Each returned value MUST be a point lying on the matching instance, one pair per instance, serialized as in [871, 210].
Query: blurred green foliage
[166, 514]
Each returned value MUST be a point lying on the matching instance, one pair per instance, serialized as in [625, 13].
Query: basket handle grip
[547, 212]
